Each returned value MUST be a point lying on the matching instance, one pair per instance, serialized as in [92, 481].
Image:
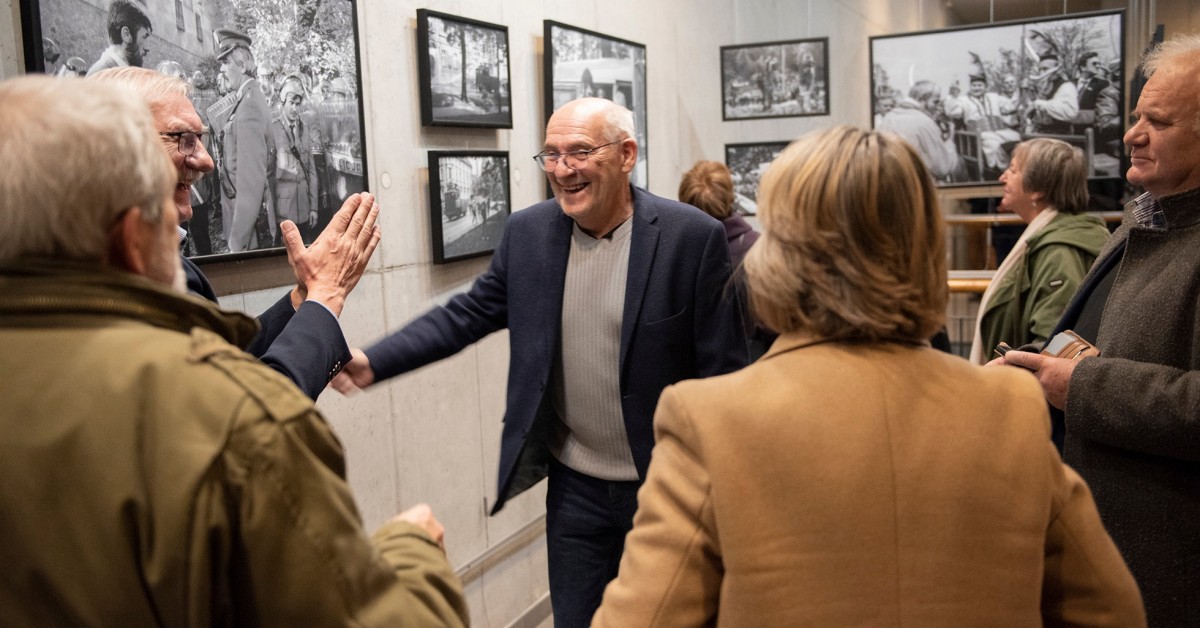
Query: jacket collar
[794, 340]
[41, 288]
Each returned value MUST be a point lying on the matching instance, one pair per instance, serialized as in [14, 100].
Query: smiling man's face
[173, 114]
[595, 193]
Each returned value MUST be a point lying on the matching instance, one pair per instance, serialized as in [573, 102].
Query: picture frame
[983, 89]
[463, 69]
[469, 202]
[308, 49]
[578, 62]
[747, 162]
[776, 79]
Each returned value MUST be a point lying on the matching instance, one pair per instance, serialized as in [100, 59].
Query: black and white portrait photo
[581, 63]
[965, 97]
[463, 68]
[276, 83]
[747, 163]
[469, 202]
[775, 79]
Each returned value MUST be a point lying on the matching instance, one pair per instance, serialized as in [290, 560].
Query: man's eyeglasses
[185, 141]
[574, 159]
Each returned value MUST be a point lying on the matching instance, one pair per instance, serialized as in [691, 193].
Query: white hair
[74, 156]
[618, 123]
[1181, 49]
[155, 88]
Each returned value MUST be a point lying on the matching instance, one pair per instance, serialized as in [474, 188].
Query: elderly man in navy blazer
[609, 294]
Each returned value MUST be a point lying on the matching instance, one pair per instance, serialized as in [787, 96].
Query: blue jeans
[586, 522]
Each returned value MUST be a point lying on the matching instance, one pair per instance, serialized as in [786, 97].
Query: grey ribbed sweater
[590, 436]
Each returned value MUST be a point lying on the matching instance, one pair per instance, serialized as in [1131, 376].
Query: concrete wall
[433, 435]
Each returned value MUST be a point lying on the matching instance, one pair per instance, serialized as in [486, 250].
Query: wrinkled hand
[1054, 374]
[332, 265]
[421, 516]
[356, 375]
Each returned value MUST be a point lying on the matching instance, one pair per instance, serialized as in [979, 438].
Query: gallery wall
[433, 435]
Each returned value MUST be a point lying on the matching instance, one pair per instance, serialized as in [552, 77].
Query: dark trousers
[586, 522]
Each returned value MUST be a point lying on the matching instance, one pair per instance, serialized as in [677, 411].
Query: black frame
[633, 90]
[923, 55]
[731, 94]
[342, 163]
[490, 228]
[739, 194]
[502, 95]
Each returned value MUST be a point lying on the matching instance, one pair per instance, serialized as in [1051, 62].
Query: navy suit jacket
[304, 345]
[676, 324]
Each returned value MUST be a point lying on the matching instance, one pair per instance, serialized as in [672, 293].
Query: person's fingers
[343, 383]
[292, 240]
[376, 236]
[1026, 359]
[341, 220]
[369, 226]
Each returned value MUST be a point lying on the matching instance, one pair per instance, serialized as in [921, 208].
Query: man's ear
[126, 35]
[629, 153]
[128, 243]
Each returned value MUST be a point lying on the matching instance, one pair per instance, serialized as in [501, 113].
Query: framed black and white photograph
[581, 63]
[747, 163]
[965, 97]
[463, 69]
[775, 79]
[469, 202]
[277, 83]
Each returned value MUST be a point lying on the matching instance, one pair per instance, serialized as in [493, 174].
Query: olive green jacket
[156, 475]
[1031, 297]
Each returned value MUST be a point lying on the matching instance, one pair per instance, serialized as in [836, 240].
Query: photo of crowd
[966, 97]
[775, 80]
[275, 83]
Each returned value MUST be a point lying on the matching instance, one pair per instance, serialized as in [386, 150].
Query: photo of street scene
[469, 202]
[965, 97]
[747, 163]
[775, 80]
[463, 68]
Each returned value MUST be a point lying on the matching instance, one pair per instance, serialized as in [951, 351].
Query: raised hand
[329, 268]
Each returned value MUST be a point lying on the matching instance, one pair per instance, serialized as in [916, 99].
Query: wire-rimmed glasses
[185, 141]
[573, 159]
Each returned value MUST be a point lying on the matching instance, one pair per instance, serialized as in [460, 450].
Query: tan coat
[850, 485]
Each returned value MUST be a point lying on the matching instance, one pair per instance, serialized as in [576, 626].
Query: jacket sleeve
[671, 569]
[305, 345]
[301, 557]
[1139, 406]
[1055, 275]
[719, 330]
[446, 330]
[1086, 583]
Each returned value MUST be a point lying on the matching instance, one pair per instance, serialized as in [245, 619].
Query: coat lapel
[554, 276]
[642, 246]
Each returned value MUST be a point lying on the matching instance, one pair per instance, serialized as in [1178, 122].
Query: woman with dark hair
[854, 476]
[1046, 185]
[709, 186]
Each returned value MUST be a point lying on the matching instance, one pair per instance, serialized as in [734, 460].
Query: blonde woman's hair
[708, 186]
[75, 154]
[853, 243]
[1057, 170]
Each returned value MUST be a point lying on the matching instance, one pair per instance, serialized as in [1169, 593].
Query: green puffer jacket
[1031, 297]
[156, 475]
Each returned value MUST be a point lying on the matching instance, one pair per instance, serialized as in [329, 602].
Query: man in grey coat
[1132, 414]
